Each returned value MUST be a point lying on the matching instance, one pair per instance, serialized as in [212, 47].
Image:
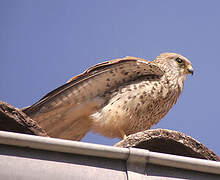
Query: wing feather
[64, 105]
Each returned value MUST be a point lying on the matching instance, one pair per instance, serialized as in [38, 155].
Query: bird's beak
[189, 69]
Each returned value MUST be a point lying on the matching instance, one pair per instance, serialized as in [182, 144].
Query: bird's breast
[133, 107]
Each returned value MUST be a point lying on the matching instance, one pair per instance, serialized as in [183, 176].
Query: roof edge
[89, 149]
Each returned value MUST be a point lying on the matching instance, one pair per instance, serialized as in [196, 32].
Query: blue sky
[44, 43]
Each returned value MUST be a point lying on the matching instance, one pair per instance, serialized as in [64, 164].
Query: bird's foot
[123, 135]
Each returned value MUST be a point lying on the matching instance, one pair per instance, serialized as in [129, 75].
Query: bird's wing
[60, 110]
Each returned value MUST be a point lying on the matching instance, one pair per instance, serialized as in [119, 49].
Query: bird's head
[175, 63]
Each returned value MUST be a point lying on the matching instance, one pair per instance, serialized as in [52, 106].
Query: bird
[115, 98]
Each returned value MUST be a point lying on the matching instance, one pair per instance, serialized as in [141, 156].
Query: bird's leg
[123, 135]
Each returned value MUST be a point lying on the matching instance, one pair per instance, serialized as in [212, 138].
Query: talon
[123, 135]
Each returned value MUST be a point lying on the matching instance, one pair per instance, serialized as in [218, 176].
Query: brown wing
[64, 112]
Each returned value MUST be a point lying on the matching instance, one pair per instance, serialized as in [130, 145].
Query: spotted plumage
[115, 98]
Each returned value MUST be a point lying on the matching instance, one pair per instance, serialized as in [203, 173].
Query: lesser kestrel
[115, 98]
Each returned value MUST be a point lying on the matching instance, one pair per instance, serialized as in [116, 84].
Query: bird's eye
[180, 61]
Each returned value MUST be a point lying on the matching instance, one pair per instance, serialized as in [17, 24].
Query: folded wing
[65, 111]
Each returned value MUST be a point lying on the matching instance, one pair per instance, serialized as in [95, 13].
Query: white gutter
[127, 154]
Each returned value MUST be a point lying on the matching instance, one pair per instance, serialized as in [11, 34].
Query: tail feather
[76, 131]
[67, 121]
